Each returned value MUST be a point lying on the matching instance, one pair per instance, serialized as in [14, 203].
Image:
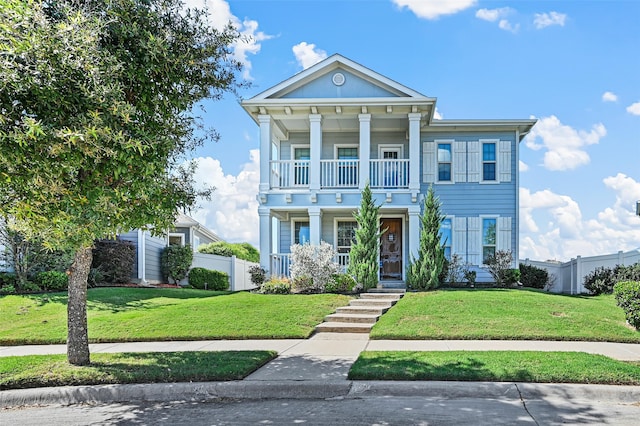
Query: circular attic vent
[338, 79]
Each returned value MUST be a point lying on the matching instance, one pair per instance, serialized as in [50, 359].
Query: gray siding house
[330, 129]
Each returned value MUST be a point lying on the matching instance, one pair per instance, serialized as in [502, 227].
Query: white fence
[238, 270]
[568, 277]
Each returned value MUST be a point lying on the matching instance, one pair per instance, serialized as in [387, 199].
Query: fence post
[232, 274]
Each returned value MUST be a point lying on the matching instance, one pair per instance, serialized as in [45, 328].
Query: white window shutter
[473, 240]
[460, 161]
[460, 237]
[504, 161]
[474, 161]
[428, 162]
[504, 233]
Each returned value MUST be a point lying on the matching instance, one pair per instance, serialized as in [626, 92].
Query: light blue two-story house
[330, 129]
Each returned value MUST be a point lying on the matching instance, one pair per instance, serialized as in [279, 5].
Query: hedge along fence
[207, 279]
[627, 294]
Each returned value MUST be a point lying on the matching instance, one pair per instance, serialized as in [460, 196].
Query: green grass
[504, 315]
[18, 372]
[143, 314]
[495, 366]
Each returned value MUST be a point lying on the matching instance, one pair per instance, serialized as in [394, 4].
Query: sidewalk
[318, 368]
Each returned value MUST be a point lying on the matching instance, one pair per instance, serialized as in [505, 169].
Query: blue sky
[574, 65]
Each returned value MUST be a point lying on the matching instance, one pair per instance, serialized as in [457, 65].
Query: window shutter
[474, 161]
[460, 236]
[473, 241]
[504, 161]
[460, 161]
[504, 233]
[428, 162]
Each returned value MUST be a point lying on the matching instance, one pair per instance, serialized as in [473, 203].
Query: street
[367, 410]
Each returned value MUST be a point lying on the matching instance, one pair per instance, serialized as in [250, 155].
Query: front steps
[362, 313]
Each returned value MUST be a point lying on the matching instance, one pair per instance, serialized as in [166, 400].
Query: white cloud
[543, 20]
[634, 108]
[437, 115]
[493, 15]
[565, 146]
[232, 212]
[307, 54]
[507, 26]
[250, 39]
[433, 9]
[609, 97]
[522, 166]
[552, 226]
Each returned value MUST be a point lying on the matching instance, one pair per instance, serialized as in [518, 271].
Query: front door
[391, 249]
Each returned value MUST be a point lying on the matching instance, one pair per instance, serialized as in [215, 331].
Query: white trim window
[445, 161]
[345, 234]
[175, 239]
[489, 161]
[489, 237]
[446, 236]
[301, 231]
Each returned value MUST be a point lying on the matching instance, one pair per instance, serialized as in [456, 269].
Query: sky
[573, 65]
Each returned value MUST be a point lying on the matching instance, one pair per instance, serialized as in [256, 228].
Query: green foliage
[207, 279]
[95, 277]
[244, 251]
[364, 264]
[425, 272]
[175, 262]
[533, 277]
[276, 285]
[454, 269]
[115, 259]
[7, 289]
[499, 266]
[341, 284]
[258, 275]
[29, 287]
[600, 281]
[8, 278]
[627, 294]
[470, 276]
[52, 280]
[304, 284]
[312, 266]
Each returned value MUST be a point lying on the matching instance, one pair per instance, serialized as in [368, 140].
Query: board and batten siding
[154, 247]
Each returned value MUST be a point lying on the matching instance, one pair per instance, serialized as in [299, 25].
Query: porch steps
[362, 313]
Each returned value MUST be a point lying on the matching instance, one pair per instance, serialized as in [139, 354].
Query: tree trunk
[77, 335]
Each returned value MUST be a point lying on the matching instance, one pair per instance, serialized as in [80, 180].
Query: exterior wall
[353, 87]
[569, 276]
[154, 247]
[237, 269]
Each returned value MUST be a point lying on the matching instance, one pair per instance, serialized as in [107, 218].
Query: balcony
[340, 174]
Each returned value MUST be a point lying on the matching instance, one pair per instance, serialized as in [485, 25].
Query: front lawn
[19, 372]
[504, 315]
[145, 314]
[495, 366]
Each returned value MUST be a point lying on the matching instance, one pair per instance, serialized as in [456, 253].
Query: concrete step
[352, 318]
[387, 290]
[384, 303]
[381, 296]
[343, 327]
[364, 310]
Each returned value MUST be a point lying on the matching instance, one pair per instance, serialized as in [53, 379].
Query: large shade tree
[97, 118]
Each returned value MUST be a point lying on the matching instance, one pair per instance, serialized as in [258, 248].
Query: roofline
[380, 101]
[523, 126]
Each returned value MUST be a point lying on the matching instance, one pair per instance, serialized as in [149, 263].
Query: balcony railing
[339, 173]
[391, 174]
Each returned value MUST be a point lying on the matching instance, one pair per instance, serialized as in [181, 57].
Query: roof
[184, 221]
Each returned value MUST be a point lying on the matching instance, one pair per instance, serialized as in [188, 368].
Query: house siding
[353, 87]
[154, 247]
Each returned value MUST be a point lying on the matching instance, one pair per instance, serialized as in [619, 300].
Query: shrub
[341, 283]
[455, 269]
[8, 278]
[511, 276]
[244, 251]
[276, 286]
[176, 261]
[470, 276]
[627, 273]
[258, 275]
[315, 262]
[115, 259]
[52, 280]
[600, 280]
[304, 284]
[29, 287]
[207, 279]
[533, 277]
[499, 266]
[627, 294]
[95, 277]
[7, 289]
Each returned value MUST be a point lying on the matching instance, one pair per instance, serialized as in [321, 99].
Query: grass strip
[146, 314]
[20, 372]
[495, 366]
[504, 314]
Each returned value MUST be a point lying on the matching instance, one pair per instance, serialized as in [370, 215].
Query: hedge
[207, 279]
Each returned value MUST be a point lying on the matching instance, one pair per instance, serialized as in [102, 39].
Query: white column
[315, 136]
[314, 225]
[414, 151]
[365, 148]
[265, 237]
[265, 152]
[414, 231]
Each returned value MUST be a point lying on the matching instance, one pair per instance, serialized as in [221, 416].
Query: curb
[314, 389]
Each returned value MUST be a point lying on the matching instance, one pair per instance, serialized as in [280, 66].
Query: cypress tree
[363, 257]
[423, 273]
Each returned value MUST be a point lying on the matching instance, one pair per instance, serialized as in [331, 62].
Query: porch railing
[389, 174]
[280, 263]
[339, 173]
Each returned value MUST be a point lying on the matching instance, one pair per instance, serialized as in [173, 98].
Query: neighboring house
[330, 129]
[187, 231]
